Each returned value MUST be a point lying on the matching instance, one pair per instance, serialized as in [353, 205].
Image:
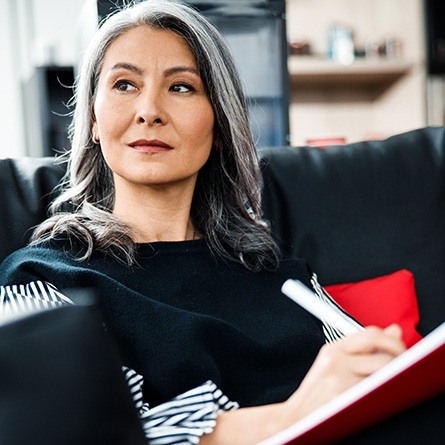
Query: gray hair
[226, 207]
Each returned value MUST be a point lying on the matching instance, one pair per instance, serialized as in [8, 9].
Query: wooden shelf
[313, 71]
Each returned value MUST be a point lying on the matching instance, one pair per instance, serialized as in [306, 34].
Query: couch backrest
[364, 210]
[354, 212]
[26, 186]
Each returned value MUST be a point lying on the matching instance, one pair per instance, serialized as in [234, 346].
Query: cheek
[110, 118]
[201, 125]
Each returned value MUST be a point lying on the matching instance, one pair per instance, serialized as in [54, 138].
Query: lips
[150, 146]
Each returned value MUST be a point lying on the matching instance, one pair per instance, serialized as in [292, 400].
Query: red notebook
[411, 378]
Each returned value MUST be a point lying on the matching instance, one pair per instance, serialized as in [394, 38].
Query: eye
[182, 88]
[124, 85]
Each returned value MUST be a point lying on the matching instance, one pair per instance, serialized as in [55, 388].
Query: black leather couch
[364, 210]
[354, 212]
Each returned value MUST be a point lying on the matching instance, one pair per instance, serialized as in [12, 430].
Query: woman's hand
[337, 367]
[344, 363]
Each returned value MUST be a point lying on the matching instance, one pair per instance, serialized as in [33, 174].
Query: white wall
[11, 135]
[28, 29]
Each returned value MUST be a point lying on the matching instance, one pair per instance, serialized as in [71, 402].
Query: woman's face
[152, 114]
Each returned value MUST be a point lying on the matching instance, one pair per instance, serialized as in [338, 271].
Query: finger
[391, 340]
[367, 364]
[394, 329]
[373, 339]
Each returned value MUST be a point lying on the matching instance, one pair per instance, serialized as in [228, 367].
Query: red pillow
[381, 301]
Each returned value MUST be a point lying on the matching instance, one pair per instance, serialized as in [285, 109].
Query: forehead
[144, 44]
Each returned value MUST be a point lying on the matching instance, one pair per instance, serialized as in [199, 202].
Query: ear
[95, 131]
[217, 142]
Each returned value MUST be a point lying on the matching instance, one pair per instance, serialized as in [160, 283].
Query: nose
[156, 121]
[150, 110]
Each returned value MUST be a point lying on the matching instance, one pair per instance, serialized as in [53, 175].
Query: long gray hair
[226, 206]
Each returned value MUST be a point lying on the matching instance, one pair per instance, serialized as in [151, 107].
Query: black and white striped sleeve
[19, 300]
[331, 333]
[182, 420]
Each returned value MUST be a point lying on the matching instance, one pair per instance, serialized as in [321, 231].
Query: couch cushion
[381, 301]
[365, 209]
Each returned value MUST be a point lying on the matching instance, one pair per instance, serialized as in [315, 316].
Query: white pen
[299, 293]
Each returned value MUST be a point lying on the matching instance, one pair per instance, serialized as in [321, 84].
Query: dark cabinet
[256, 32]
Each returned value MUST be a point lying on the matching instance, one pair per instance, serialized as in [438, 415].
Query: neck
[156, 214]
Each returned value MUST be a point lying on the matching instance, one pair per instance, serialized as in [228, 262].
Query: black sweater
[182, 317]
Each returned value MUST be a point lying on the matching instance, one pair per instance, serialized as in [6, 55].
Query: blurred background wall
[33, 33]
[358, 69]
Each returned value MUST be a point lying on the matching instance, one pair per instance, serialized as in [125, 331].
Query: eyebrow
[168, 72]
[181, 69]
[126, 66]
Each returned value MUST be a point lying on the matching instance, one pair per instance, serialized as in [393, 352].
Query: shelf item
[313, 71]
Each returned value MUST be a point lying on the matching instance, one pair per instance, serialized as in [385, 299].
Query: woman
[163, 216]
